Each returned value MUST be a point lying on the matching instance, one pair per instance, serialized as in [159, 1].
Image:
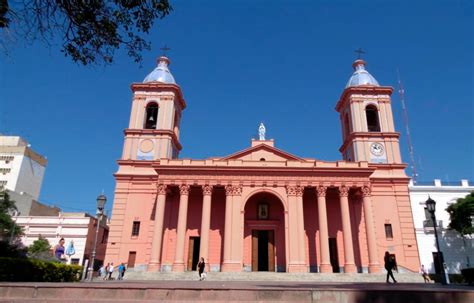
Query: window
[388, 231]
[262, 159]
[5, 170]
[347, 129]
[372, 116]
[176, 123]
[74, 261]
[135, 228]
[151, 116]
[7, 159]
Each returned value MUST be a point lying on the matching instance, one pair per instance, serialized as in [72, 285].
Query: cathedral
[261, 208]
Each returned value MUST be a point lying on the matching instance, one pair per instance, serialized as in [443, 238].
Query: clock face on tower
[377, 149]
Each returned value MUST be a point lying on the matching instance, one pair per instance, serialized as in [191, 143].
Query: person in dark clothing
[201, 265]
[390, 264]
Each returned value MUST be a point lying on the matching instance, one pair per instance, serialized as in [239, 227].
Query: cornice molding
[364, 90]
[159, 87]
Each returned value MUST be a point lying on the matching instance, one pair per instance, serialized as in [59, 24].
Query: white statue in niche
[261, 132]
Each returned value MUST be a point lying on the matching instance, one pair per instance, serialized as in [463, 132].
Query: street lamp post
[431, 206]
[100, 211]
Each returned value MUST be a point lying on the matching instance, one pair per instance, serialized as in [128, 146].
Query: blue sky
[242, 62]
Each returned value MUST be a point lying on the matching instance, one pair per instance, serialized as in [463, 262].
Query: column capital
[161, 189]
[184, 189]
[366, 191]
[321, 191]
[229, 190]
[237, 190]
[295, 191]
[343, 191]
[207, 190]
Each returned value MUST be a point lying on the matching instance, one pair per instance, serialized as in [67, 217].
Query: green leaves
[8, 228]
[15, 270]
[461, 214]
[91, 31]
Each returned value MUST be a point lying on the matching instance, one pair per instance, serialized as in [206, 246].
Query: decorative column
[227, 227]
[325, 265]
[205, 224]
[301, 242]
[374, 265]
[296, 230]
[155, 256]
[349, 264]
[237, 228]
[181, 229]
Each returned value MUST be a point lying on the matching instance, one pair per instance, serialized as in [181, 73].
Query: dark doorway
[437, 262]
[193, 253]
[132, 255]
[333, 254]
[263, 250]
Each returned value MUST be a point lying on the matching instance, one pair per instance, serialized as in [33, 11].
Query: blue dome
[161, 73]
[361, 76]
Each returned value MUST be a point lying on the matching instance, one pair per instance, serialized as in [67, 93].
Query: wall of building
[21, 169]
[76, 227]
[27, 206]
[458, 252]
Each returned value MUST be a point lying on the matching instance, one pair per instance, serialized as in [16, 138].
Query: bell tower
[157, 105]
[365, 112]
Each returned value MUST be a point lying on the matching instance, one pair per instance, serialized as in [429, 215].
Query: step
[233, 291]
[272, 276]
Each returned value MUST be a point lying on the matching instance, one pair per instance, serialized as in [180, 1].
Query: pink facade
[261, 209]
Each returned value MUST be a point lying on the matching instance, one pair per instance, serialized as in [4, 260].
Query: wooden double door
[263, 250]
[193, 252]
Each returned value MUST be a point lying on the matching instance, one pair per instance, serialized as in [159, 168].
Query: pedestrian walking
[390, 264]
[102, 272]
[424, 274]
[121, 271]
[201, 265]
[106, 271]
[111, 270]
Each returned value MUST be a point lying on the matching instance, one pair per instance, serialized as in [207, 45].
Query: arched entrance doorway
[264, 233]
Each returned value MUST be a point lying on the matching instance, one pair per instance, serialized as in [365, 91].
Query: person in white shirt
[111, 270]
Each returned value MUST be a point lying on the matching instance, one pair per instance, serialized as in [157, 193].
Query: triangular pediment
[263, 152]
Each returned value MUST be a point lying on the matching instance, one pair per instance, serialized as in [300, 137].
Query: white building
[21, 168]
[77, 227]
[458, 252]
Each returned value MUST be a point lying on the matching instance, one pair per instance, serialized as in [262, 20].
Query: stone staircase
[405, 277]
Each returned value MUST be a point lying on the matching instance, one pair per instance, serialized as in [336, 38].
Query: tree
[41, 250]
[39, 246]
[8, 228]
[461, 214]
[90, 30]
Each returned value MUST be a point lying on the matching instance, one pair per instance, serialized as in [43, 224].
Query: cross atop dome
[359, 52]
[165, 48]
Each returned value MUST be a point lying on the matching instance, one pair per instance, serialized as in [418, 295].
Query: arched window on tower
[347, 126]
[177, 118]
[373, 124]
[151, 116]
